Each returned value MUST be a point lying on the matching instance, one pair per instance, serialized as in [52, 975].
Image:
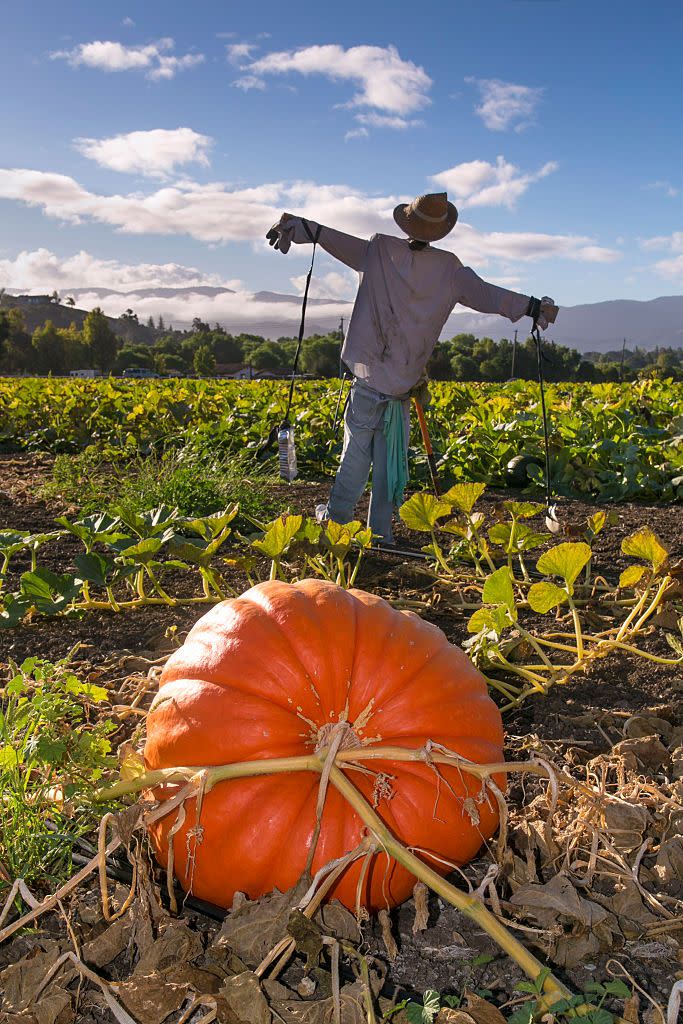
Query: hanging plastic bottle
[286, 452]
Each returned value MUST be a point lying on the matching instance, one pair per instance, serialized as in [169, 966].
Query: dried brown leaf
[336, 920]
[647, 725]
[387, 935]
[626, 822]
[20, 982]
[108, 944]
[176, 944]
[151, 998]
[242, 995]
[483, 1011]
[420, 897]
[669, 864]
[253, 927]
[648, 750]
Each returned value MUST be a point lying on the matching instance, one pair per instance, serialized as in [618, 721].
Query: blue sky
[149, 144]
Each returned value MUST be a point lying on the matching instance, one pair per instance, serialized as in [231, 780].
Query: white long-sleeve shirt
[404, 299]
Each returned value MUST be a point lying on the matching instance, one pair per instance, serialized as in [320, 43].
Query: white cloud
[479, 183]
[386, 121]
[128, 22]
[505, 105]
[671, 269]
[664, 186]
[383, 79]
[248, 82]
[673, 242]
[332, 285]
[154, 153]
[216, 212]
[356, 133]
[39, 269]
[154, 59]
[237, 52]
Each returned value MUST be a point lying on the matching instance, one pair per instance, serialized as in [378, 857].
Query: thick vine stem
[467, 904]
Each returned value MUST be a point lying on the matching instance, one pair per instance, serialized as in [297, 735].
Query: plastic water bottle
[286, 452]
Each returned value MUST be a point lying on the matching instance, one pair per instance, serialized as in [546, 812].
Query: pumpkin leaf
[523, 509]
[596, 523]
[422, 511]
[545, 596]
[279, 536]
[498, 589]
[489, 620]
[514, 537]
[464, 496]
[565, 560]
[644, 544]
[93, 568]
[631, 576]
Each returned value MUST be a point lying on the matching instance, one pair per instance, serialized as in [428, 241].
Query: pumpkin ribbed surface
[261, 676]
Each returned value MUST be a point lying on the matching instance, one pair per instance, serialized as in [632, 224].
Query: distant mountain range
[598, 326]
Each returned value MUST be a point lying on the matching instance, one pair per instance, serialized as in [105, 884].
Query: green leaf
[9, 758]
[523, 509]
[596, 523]
[631, 576]
[545, 596]
[644, 544]
[278, 536]
[424, 1014]
[422, 511]
[93, 568]
[565, 560]
[464, 496]
[618, 988]
[498, 589]
[489, 620]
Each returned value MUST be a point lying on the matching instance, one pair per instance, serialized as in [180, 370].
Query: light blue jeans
[365, 446]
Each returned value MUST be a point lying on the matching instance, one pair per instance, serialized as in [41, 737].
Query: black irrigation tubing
[122, 873]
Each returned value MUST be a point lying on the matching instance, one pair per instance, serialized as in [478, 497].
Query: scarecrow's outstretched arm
[347, 248]
[471, 290]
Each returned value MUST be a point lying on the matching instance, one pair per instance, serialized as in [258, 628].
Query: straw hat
[427, 218]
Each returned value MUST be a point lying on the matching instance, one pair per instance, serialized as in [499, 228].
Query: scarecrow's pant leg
[363, 412]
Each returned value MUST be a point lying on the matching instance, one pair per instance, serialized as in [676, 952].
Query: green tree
[268, 356]
[204, 361]
[100, 339]
[134, 356]
[17, 352]
[49, 349]
[320, 356]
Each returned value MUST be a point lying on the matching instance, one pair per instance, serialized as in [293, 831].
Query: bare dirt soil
[619, 728]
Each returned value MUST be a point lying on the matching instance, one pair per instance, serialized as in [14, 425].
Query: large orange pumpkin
[259, 677]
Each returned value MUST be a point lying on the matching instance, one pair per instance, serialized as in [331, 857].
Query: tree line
[204, 350]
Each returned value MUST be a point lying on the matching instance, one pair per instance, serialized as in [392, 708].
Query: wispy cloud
[479, 183]
[238, 52]
[665, 186]
[505, 105]
[383, 79]
[248, 82]
[128, 23]
[386, 121]
[673, 242]
[155, 154]
[155, 59]
[216, 212]
[672, 267]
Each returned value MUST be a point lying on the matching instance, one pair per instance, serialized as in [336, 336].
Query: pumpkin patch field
[255, 768]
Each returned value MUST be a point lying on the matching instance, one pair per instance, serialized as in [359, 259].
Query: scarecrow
[407, 291]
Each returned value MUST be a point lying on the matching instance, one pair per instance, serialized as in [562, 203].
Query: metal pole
[514, 353]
